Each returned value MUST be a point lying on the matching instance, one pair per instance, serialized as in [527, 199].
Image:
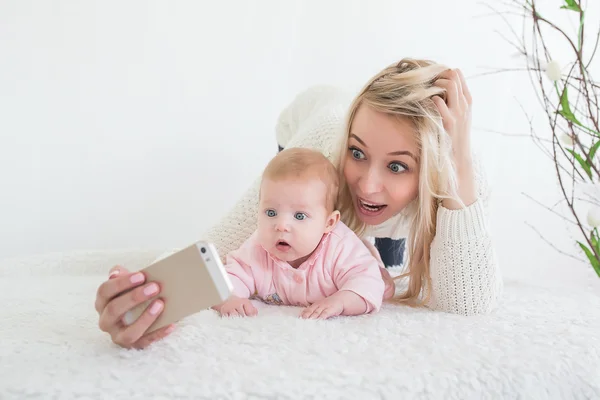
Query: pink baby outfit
[341, 261]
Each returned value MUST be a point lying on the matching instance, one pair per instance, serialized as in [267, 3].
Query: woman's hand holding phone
[119, 294]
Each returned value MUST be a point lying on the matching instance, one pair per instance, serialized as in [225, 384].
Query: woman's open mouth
[282, 245]
[369, 208]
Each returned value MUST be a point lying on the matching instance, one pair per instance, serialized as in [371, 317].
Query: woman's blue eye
[357, 154]
[300, 216]
[397, 167]
[271, 213]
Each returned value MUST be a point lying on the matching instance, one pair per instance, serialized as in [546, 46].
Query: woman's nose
[370, 182]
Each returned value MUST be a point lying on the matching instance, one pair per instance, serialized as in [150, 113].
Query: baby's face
[293, 218]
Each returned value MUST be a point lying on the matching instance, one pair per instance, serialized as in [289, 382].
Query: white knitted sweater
[464, 272]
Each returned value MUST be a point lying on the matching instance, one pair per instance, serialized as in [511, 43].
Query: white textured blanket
[543, 342]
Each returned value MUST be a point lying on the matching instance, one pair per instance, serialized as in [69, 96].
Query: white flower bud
[566, 139]
[553, 71]
[593, 217]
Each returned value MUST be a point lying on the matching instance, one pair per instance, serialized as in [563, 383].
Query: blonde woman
[407, 172]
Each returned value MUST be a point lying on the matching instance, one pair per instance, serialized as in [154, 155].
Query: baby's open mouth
[282, 245]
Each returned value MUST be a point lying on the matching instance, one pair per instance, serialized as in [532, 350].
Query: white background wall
[138, 123]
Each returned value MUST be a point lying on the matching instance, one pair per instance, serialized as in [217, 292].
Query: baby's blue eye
[300, 216]
[271, 213]
[397, 167]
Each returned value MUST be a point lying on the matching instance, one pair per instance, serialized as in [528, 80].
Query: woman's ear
[332, 221]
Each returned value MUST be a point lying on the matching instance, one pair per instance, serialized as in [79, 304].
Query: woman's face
[381, 166]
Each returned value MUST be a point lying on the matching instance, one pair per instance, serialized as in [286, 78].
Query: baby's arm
[356, 271]
[352, 302]
[236, 307]
[342, 302]
[238, 304]
[239, 269]
[356, 275]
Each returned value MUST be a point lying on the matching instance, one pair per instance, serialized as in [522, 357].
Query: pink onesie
[341, 261]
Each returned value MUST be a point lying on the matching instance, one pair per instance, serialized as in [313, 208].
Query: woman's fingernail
[113, 274]
[137, 278]
[151, 289]
[156, 307]
[170, 329]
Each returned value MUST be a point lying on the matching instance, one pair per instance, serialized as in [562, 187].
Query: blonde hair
[302, 163]
[404, 90]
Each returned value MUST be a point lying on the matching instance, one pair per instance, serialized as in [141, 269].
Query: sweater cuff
[463, 224]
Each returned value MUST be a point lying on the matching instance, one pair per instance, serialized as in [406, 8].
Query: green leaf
[590, 255]
[593, 150]
[580, 32]
[586, 167]
[571, 5]
[594, 239]
[568, 114]
[566, 108]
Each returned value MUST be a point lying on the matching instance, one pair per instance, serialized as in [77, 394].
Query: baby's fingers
[325, 313]
[316, 311]
[240, 310]
[308, 311]
[250, 310]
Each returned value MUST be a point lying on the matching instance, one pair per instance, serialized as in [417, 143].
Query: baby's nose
[282, 226]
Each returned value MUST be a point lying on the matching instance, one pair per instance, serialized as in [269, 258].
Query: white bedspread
[543, 342]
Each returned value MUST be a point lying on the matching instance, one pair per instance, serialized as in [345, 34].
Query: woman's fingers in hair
[452, 97]
[447, 117]
[457, 92]
[465, 87]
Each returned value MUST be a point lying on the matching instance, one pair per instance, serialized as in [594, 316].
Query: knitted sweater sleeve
[464, 271]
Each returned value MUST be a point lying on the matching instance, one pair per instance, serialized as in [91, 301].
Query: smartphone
[191, 280]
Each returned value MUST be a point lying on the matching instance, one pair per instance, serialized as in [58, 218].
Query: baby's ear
[332, 221]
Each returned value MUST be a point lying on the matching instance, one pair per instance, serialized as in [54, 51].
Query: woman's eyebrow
[359, 140]
[403, 153]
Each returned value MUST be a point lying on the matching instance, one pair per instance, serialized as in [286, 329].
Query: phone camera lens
[203, 250]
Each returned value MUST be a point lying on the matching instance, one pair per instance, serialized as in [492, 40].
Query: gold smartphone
[191, 280]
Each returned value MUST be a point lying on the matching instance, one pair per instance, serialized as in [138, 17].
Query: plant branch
[575, 114]
[554, 246]
[578, 52]
[550, 209]
[594, 51]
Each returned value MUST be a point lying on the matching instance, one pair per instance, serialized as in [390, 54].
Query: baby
[301, 253]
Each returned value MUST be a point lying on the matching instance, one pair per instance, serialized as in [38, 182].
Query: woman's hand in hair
[456, 118]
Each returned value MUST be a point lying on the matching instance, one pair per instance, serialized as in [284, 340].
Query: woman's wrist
[466, 184]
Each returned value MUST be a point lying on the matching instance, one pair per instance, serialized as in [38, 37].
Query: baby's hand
[343, 302]
[331, 306]
[236, 306]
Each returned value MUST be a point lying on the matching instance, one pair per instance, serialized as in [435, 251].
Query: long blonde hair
[405, 90]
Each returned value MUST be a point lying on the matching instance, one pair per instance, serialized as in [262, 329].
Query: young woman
[407, 171]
